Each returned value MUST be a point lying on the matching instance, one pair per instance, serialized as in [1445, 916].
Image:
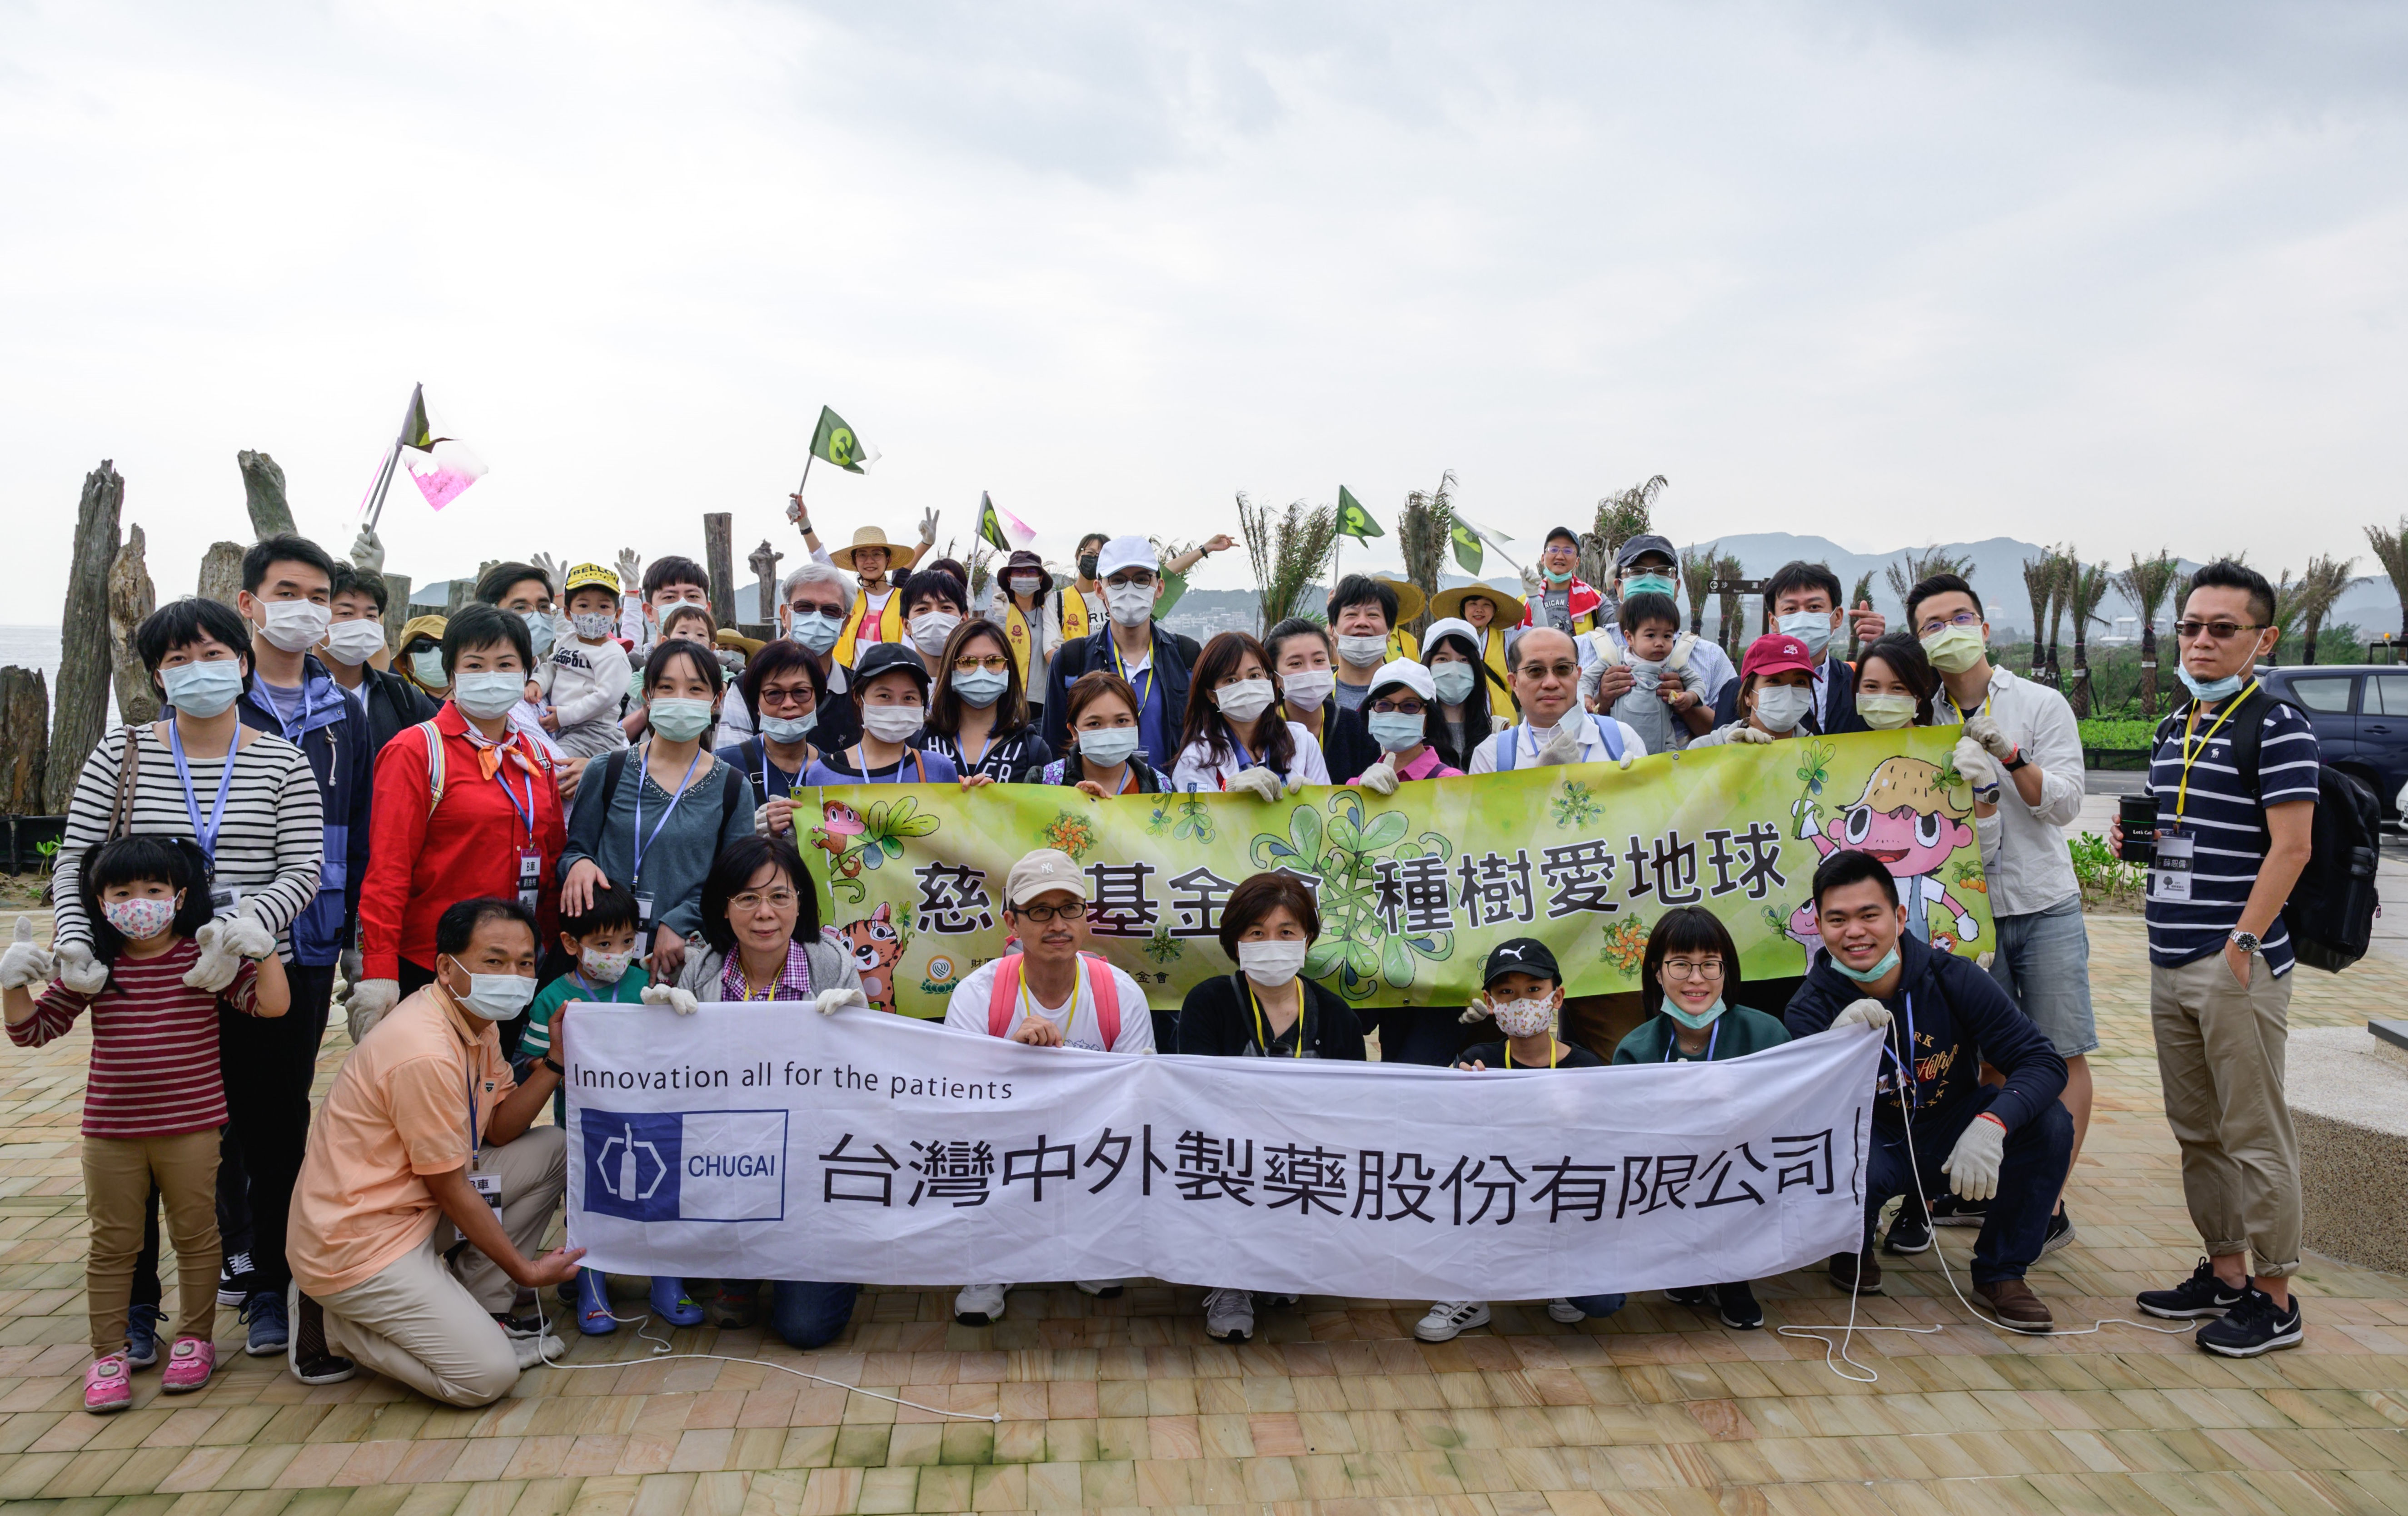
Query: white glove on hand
[245, 935]
[1974, 762]
[1973, 1165]
[680, 1001]
[1380, 778]
[929, 527]
[1866, 1012]
[1983, 728]
[832, 1001]
[369, 1000]
[367, 550]
[1257, 781]
[1968, 929]
[1534, 584]
[1753, 735]
[25, 965]
[80, 971]
[554, 571]
[1563, 745]
[631, 571]
[218, 962]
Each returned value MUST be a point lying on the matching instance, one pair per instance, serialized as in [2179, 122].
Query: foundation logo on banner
[696, 1166]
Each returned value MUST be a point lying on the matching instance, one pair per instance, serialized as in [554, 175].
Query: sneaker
[1691, 1295]
[671, 1303]
[980, 1305]
[2060, 1232]
[1100, 1289]
[2202, 1295]
[2252, 1326]
[190, 1364]
[734, 1304]
[308, 1359]
[1229, 1315]
[1562, 1310]
[108, 1385]
[1279, 1302]
[594, 1316]
[2015, 1306]
[1448, 1317]
[520, 1326]
[263, 1313]
[236, 1280]
[1909, 1232]
[1856, 1273]
[142, 1336]
[1952, 1211]
[1736, 1305]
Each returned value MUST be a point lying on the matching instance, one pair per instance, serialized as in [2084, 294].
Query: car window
[2387, 694]
[2329, 695]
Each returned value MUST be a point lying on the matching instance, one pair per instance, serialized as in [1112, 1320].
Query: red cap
[1776, 652]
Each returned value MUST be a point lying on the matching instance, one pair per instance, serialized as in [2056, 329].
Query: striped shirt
[154, 1045]
[2225, 813]
[268, 848]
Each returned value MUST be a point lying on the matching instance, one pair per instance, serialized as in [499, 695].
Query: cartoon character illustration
[875, 949]
[1907, 819]
[840, 823]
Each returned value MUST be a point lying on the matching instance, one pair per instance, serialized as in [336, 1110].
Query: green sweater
[1735, 1033]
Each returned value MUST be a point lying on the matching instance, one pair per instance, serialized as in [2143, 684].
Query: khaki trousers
[118, 1173]
[2220, 1060]
[430, 1325]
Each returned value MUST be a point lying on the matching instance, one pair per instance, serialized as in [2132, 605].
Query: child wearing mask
[584, 681]
[1776, 695]
[1663, 711]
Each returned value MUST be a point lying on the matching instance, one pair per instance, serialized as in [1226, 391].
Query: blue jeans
[2031, 1173]
[807, 1313]
[2042, 961]
[1595, 1305]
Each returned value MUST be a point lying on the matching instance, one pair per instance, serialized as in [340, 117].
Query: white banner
[771, 1142]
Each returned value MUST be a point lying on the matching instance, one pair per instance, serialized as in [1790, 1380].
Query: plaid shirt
[794, 981]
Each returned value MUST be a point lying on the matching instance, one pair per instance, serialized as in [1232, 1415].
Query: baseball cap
[586, 575]
[1520, 955]
[1408, 673]
[1640, 546]
[885, 657]
[1042, 872]
[1776, 652]
[1131, 552]
[1565, 533]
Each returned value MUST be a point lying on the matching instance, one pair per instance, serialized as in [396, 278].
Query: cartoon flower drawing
[1623, 944]
[854, 840]
[1069, 831]
[1359, 867]
[1575, 807]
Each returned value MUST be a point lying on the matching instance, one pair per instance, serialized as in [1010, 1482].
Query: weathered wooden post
[262, 494]
[83, 637]
[718, 557]
[764, 561]
[24, 739]
[131, 598]
[396, 610]
[220, 573]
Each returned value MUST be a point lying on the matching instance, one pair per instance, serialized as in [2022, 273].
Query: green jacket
[1735, 1033]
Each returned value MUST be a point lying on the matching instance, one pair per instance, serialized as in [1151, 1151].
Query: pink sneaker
[106, 1386]
[189, 1365]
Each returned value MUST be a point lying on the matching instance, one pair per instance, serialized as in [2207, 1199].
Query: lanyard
[1910, 1083]
[770, 994]
[1262, 1028]
[642, 842]
[1069, 1011]
[2190, 754]
[300, 726]
[526, 811]
[1711, 1038]
[476, 1136]
[763, 746]
[1121, 665]
[1554, 1053]
[861, 760]
[207, 835]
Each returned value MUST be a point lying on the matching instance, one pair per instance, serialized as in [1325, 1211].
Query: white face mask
[1023, 583]
[594, 625]
[930, 628]
[497, 997]
[1271, 964]
[1523, 1018]
[353, 643]
[815, 632]
[1887, 713]
[1308, 688]
[1129, 604]
[1107, 747]
[296, 626]
[1244, 700]
[1454, 682]
[1781, 707]
[487, 696]
[1359, 651]
[542, 632]
[1811, 627]
[891, 723]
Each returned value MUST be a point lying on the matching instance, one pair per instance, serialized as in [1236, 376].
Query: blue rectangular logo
[696, 1166]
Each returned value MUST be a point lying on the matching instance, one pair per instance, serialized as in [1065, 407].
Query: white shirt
[2023, 847]
[1194, 771]
[1592, 750]
[966, 1011]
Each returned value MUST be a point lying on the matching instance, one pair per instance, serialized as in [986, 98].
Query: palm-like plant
[2320, 586]
[1914, 567]
[2391, 550]
[1861, 595]
[1287, 551]
[2086, 585]
[1620, 516]
[1727, 569]
[2148, 584]
[2040, 583]
[1697, 579]
[2060, 589]
[1422, 536]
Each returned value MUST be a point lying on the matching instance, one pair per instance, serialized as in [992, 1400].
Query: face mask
[1647, 584]
[135, 920]
[891, 723]
[1454, 682]
[594, 625]
[1087, 567]
[1954, 649]
[1244, 700]
[605, 968]
[295, 626]
[1557, 576]
[785, 728]
[497, 997]
[203, 689]
[353, 643]
[1695, 1021]
[2209, 689]
[930, 628]
[1107, 747]
[1359, 652]
[488, 695]
[1781, 707]
[540, 631]
[1866, 976]
[1811, 627]
[1130, 605]
[1523, 1018]
[981, 688]
[1306, 688]
[1023, 583]
[1887, 713]
[680, 720]
[1395, 732]
[816, 632]
[1271, 964]
[427, 663]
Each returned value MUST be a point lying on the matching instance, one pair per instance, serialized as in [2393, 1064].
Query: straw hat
[898, 554]
[1409, 598]
[1450, 603]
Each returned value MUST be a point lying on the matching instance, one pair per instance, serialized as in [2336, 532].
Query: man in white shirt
[1544, 669]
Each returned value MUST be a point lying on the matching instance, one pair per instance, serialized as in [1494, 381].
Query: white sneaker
[1562, 1310]
[1228, 1315]
[1102, 1289]
[980, 1305]
[1447, 1318]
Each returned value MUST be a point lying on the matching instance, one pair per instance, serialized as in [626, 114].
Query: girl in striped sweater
[153, 1100]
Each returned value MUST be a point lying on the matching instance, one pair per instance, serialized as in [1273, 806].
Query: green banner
[1414, 888]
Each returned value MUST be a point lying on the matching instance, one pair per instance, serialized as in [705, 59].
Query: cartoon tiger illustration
[875, 949]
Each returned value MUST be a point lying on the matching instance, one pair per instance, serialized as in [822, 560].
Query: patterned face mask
[1523, 1018]
[138, 919]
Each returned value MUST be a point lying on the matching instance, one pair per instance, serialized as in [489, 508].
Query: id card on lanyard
[643, 843]
[530, 859]
[2177, 851]
[488, 1186]
[222, 898]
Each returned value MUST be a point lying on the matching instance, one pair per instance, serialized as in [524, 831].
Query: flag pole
[392, 458]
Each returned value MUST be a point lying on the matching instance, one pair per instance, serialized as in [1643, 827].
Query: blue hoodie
[333, 733]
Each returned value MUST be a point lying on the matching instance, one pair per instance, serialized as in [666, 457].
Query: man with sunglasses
[812, 607]
[2022, 754]
[1051, 993]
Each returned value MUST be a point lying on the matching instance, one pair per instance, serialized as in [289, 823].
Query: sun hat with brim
[1409, 598]
[898, 554]
[1776, 652]
[1448, 603]
[747, 646]
[885, 658]
[1404, 673]
[1024, 562]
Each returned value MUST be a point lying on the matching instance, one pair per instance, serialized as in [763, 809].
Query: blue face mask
[815, 632]
[1811, 627]
[1648, 583]
[1866, 976]
[981, 688]
[1454, 682]
[2208, 689]
[203, 689]
[1107, 747]
[1395, 732]
[1695, 1021]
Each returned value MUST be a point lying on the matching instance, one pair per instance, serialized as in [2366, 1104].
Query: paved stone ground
[1124, 1403]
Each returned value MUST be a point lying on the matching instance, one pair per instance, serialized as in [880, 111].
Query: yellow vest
[890, 623]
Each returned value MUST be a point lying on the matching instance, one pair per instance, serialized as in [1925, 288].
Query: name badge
[488, 1188]
[530, 879]
[2170, 876]
[644, 912]
[224, 898]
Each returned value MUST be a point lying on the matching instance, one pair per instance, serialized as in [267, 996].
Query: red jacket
[420, 863]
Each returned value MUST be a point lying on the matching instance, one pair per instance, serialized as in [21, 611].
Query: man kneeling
[413, 1245]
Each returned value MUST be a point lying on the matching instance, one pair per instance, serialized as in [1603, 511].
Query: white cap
[1408, 673]
[1121, 552]
[1042, 872]
[1457, 626]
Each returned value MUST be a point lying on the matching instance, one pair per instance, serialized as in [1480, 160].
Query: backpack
[1509, 747]
[2330, 914]
[1004, 998]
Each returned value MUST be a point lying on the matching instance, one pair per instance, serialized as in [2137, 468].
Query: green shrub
[2118, 735]
[2105, 879]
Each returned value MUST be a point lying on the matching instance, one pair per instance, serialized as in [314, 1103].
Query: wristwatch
[2245, 941]
[550, 1064]
[2016, 761]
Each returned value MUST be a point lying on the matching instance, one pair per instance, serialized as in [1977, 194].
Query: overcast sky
[2131, 279]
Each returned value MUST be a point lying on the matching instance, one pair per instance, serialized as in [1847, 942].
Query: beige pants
[118, 1172]
[2220, 1060]
[430, 1325]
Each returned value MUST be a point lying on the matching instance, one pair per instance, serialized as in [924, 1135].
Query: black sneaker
[2202, 1295]
[1910, 1233]
[1857, 1273]
[1950, 1210]
[237, 1279]
[2254, 1326]
[1691, 1295]
[2060, 1232]
[1736, 1305]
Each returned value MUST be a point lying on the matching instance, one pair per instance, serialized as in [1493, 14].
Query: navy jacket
[393, 704]
[1346, 744]
[1841, 678]
[1173, 657]
[1961, 1018]
[334, 736]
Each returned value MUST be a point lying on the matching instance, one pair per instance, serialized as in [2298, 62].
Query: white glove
[369, 1000]
[553, 570]
[1985, 958]
[631, 571]
[1257, 781]
[1983, 728]
[1968, 929]
[1534, 584]
[1754, 734]
[367, 550]
[832, 1001]
[25, 965]
[80, 971]
[680, 1001]
[1973, 1165]
[1974, 762]
[1563, 745]
[1380, 778]
[348, 962]
[219, 962]
[1864, 1012]
[245, 935]
[929, 527]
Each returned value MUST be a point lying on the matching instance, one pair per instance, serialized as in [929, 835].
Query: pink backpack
[1005, 998]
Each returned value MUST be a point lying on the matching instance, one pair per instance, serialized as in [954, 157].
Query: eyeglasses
[751, 900]
[1963, 618]
[1559, 671]
[1396, 707]
[993, 663]
[1138, 576]
[1076, 910]
[2213, 631]
[1693, 968]
[800, 694]
[806, 607]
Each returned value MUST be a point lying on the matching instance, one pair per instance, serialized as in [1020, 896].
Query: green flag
[1467, 549]
[991, 526]
[836, 442]
[1353, 519]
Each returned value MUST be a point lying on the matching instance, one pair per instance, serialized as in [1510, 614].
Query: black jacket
[1173, 657]
[333, 736]
[1961, 1018]
[1346, 744]
[1217, 1021]
[393, 704]
[1841, 678]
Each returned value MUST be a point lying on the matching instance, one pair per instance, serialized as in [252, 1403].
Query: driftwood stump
[220, 573]
[131, 598]
[764, 562]
[24, 739]
[396, 608]
[719, 556]
[263, 494]
[82, 710]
